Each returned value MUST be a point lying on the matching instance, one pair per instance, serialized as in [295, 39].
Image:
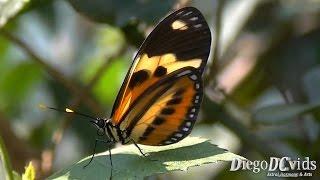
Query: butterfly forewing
[180, 40]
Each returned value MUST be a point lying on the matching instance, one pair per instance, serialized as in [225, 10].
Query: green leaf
[112, 77]
[5, 161]
[278, 114]
[16, 176]
[9, 8]
[122, 11]
[129, 164]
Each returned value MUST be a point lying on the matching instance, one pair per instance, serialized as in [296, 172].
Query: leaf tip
[30, 172]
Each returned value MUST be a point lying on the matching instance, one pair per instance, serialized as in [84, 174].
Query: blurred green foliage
[262, 101]
[26, 74]
[121, 12]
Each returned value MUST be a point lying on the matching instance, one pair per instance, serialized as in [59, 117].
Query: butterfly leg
[110, 158]
[143, 154]
[94, 150]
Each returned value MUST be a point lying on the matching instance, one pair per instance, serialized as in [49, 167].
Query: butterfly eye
[101, 123]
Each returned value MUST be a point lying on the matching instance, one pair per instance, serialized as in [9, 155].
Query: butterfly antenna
[66, 110]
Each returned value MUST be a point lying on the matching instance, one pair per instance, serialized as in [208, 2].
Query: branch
[213, 69]
[75, 103]
[80, 93]
[68, 84]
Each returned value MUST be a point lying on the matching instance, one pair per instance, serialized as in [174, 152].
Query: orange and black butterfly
[160, 98]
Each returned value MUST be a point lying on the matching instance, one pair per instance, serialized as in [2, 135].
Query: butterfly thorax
[114, 133]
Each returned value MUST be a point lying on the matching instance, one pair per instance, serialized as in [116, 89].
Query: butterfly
[160, 98]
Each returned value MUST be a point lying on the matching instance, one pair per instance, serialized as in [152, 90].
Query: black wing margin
[190, 43]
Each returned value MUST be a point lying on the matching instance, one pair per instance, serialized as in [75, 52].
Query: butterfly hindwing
[180, 40]
[166, 114]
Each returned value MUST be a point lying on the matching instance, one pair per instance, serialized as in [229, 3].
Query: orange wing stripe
[147, 72]
[169, 115]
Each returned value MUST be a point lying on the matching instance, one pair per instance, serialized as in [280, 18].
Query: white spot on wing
[185, 129]
[186, 14]
[197, 25]
[188, 124]
[193, 77]
[179, 25]
[197, 86]
[184, 73]
[174, 139]
[180, 12]
[194, 18]
[179, 135]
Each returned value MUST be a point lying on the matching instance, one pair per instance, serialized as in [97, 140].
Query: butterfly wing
[180, 40]
[167, 111]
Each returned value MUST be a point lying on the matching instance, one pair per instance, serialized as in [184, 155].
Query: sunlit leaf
[29, 173]
[282, 113]
[129, 164]
[8, 8]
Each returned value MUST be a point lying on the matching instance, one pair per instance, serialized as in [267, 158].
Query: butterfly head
[104, 127]
[99, 123]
